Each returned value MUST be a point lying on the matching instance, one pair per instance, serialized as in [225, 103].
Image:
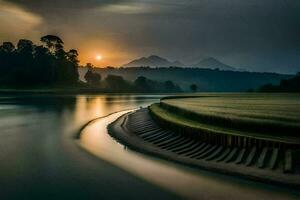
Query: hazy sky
[260, 35]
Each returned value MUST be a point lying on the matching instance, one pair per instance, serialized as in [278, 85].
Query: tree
[142, 84]
[29, 64]
[169, 86]
[24, 63]
[91, 77]
[44, 69]
[25, 46]
[73, 56]
[194, 87]
[117, 84]
[53, 43]
[7, 59]
[7, 47]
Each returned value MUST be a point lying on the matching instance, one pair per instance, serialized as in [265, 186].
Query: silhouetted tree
[145, 85]
[7, 47]
[194, 87]
[7, 61]
[91, 77]
[52, 42]
[25, 47]
[45, 70]
[24, 63]
[38, 65]
[117, 84]
[170, 86]
[73, 56]
[142, 84]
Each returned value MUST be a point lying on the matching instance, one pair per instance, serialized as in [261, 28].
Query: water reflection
[40, 159]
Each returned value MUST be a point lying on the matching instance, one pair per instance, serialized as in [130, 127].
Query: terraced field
[259, 108]
[266, 163]
[178, 130]
[272, 116]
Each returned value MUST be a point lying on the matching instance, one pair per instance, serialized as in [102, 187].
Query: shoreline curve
[120, 132]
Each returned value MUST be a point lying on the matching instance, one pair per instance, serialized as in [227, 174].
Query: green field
[272, 116]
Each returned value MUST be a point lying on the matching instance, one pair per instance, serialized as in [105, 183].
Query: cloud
[129, 8]
[17, 22]
[259, 34]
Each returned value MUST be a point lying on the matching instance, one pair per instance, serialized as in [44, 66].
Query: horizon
[252, 35]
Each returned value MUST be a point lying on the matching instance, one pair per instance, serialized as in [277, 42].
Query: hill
[207, 80]
[286, 85]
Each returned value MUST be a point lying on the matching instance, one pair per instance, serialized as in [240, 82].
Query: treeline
[207, 80]
[49, 65]
[28, 64]
[116, 83]
[286, 85]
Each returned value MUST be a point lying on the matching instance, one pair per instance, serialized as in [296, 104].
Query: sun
[98, 57]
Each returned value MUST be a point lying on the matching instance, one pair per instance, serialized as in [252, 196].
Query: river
[41, 159]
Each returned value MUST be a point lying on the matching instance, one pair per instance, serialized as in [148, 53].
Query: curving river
[41, 159]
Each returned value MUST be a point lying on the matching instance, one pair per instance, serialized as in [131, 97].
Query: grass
[277, 108]
[274, 117]
[276, 114]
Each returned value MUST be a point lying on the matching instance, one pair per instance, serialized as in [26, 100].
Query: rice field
[273, 107]
[262, 115]
[265, 163]
[250, 135]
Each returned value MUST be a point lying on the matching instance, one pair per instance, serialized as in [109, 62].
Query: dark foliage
[33, 65]
[193, 87]
[142, 84]
[118, 84]
[91, 77]
[207, 80]
[286, 85]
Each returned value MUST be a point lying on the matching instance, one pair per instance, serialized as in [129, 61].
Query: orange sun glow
[98, 57]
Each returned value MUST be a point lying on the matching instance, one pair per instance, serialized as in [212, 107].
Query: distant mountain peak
[178, 63]
[156, 57]
[213, 63]
[152, 61]
[210, 59]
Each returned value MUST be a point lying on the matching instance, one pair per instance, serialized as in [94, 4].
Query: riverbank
[187, 182]
[139, 131]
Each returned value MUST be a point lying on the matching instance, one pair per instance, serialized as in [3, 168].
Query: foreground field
[277, 108]
[273, 116]
[250, 135]
[140, 131]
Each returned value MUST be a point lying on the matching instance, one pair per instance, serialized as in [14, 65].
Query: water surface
[40, 159]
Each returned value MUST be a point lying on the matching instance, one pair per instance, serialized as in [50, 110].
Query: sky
[257, 35]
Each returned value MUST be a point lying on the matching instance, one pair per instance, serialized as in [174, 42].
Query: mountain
[212, 63]
[152, 61]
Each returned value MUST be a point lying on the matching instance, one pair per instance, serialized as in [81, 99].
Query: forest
[206, 80]
[286, 85]
[49, 65]
[31, 65]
